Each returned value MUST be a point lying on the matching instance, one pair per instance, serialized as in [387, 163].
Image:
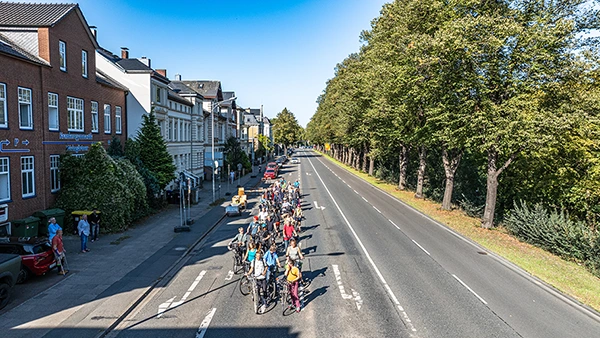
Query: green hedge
[98, 181]
[555, 232]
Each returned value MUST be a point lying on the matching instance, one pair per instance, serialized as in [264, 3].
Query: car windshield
[36, 249]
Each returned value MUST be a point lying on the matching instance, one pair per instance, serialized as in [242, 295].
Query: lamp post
[212, 113]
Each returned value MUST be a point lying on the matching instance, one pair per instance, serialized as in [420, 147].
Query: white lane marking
[319, 207]
[374, 207]
[381, 278]
[365, 199]
[229, 275]
[171, 303]
[338, 278]
[342, 180]
[356, 192]
[394, 224]
[349, 186]
[357, 299]
[468, 288]
[422, 248]
[205, 323]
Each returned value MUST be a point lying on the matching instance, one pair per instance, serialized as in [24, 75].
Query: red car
[273, 165]
[36, 254]
[270, 174]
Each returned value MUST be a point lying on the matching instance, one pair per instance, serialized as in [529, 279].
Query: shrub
[555, 232]
[98, 181]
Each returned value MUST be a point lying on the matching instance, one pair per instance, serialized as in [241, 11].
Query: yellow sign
[327, 147]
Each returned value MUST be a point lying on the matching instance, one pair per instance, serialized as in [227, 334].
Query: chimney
[145, 61]
[162, 72]
[177, 77]
[94, 30]
[124, 53]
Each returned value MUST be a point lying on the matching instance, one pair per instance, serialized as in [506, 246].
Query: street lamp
[212, 113]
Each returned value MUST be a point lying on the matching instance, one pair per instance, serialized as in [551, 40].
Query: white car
[295, 160]
[233, 210]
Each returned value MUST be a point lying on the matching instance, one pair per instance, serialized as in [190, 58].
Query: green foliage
[555, 232]
[98, 181]
[286, 130]
[153, 151]
[115, 148]
[234, 154]
[153, 190]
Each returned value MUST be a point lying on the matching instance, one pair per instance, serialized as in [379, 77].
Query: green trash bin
[45, 215]
[26, 227]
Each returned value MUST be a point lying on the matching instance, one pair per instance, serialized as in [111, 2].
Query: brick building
[52, 100]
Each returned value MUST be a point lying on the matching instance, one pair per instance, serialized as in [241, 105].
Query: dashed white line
[365, 199]
[205, 323]
[356, 192]
[391, 294]
[422, 248]
[471, 290]
[349, 186]
[394, 224]
[379, 211]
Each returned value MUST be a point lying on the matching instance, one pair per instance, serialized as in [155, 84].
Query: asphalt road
[378, 269]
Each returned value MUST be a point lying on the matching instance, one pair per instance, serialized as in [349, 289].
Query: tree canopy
[286, 129]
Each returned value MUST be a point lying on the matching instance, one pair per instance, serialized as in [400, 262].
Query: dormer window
[62, 51]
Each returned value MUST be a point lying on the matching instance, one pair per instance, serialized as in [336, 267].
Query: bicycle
[245, 283]
[238, 258]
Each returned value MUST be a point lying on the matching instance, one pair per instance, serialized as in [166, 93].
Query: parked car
[295, 160]
[233, 210]
[10, 265]
[273, 165]
[36, 255]
[270, 174]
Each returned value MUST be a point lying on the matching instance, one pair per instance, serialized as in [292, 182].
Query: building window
[170, 130]
[3, 111]
[54, 173]
[94, 117]
[157, 94]
[107, 118]
[62, 51]
[25, 113]
[27, 177]
[52, 111]
[118, 120]
[84, 64]
[75, 114]
[4, 179]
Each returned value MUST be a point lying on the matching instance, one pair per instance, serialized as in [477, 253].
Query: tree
[153, 151]
[286, 130]
[115, 149]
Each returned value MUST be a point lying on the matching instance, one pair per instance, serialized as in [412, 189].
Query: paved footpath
[123, 264]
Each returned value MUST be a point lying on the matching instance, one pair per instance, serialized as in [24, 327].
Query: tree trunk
[421, 171]
[403, 162]
[492, 185]
[371, 166]
[365, 159]
[450, 166]
[356, 159]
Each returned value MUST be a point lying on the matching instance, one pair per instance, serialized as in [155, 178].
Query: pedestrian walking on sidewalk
[53, 227]
[84, 231]
[59, 253]
[95, 224]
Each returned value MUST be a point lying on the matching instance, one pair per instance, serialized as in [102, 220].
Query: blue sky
[275, 53]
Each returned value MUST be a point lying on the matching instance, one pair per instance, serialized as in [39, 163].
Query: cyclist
[262, 215]
[258, 269]
[253, 228]
[294, 253]
[288, 233]
[250, 252]
[272, 261]
[238, 242]
[298, 217]
[293, 276]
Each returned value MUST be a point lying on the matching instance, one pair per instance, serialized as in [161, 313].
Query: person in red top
[288, 232]
[59, 252]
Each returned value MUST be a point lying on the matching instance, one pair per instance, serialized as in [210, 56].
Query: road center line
[379, 211]
[365, 200]
[356, 192]
[394, 224]
[468, 288]
[391, 294]
[205, 323]
[422, 248]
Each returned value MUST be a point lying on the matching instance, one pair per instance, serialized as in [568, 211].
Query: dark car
[36, 254]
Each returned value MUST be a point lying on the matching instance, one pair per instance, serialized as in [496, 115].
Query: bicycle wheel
[245, 286]
[305, 283]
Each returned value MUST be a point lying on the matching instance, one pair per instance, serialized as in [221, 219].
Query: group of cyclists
[272, 231]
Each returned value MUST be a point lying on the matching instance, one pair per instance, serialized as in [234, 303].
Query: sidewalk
[118, 264]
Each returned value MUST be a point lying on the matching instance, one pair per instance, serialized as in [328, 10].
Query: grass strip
[569, 277]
